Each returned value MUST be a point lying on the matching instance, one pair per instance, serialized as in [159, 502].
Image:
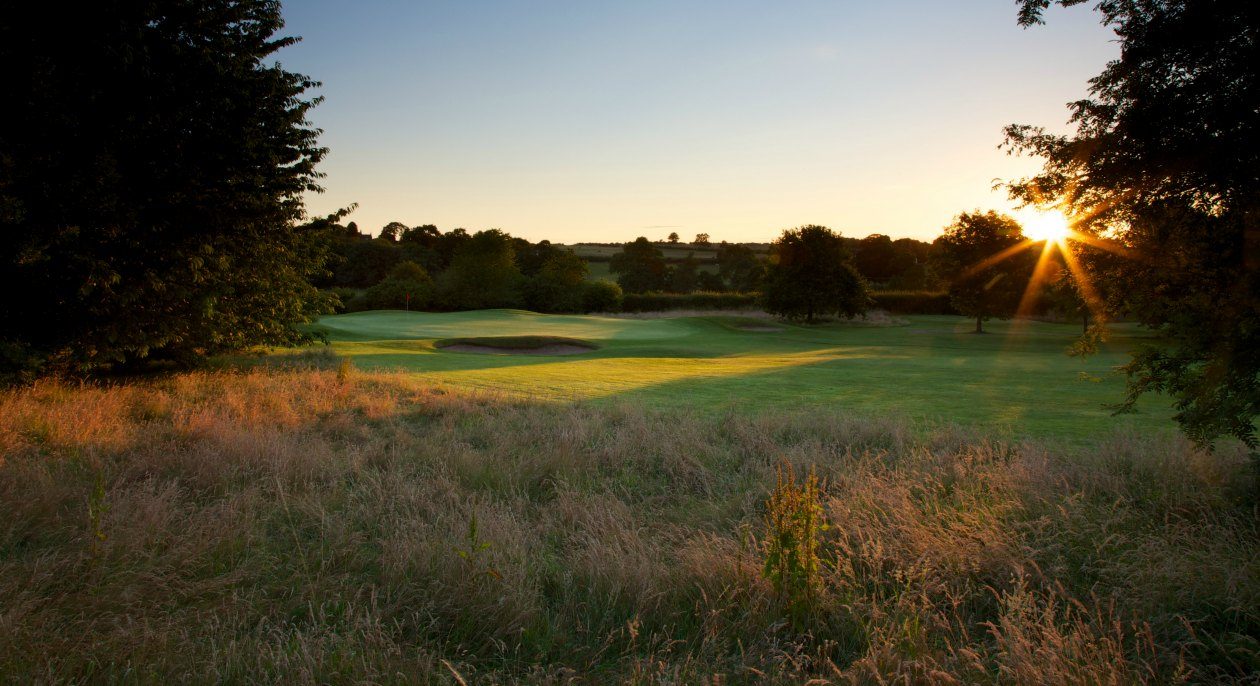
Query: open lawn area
[1017, 380]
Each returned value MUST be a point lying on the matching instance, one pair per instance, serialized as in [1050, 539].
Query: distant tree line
[885, 264]
[424, 268]
[811, 272]
[808, 273]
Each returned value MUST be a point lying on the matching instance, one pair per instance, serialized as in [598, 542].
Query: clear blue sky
[603, 121]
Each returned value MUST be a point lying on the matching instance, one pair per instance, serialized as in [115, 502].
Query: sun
[1050, 226]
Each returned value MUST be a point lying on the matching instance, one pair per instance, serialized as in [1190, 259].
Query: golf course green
[1017, 380]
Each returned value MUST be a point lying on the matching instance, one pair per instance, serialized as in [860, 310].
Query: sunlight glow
[1041, 225]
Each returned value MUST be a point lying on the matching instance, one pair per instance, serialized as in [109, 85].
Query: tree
[152, 168]
[408, 287]
[531, 258]
[363, 263]
[1166, 158]
[702, 239]
[986, 275]
[482, 274]
[558, 285]
[739, 267]
[812, 274]
[876, 258]
[709, 282]
[911, 265]
[684, 276]
[394, 231]
[640, 267]
[419, 244]
[673, 237]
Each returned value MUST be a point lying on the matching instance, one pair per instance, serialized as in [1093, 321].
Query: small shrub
[602, 296]
[794, 524]
[344, 369]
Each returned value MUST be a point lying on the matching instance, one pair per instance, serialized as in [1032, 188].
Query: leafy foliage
[684, 277]
[407, 287]
[558, 286]
[1166, 159]
[812, 275]
[483, 273]
[152, 166]
[640, 267]
[981, 285]
[601, 296]
[794, 526]
[739, 268]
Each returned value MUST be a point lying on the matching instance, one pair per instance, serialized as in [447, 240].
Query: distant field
[598, 257]
[1016, 380]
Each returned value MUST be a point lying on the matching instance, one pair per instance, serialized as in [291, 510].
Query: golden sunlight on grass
[311, 522]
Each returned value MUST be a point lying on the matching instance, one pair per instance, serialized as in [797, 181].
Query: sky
[590, 121]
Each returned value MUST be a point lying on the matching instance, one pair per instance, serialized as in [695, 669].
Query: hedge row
[913, 302]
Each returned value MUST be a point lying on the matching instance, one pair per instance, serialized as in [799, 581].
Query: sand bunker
[552, 349]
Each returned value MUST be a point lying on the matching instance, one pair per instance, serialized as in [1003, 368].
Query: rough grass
[317, 524]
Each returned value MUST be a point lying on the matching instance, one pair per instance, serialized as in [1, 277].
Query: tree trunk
[979, 325]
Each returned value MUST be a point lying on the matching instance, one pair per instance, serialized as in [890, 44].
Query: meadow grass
[306, 521]
[1017, 381]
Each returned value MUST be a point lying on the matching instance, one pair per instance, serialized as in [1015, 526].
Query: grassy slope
[1016, 379]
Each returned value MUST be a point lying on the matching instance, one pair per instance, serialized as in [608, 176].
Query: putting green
[1016, 380]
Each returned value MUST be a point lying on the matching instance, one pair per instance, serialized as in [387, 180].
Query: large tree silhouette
[1166, 158]
[152, 166]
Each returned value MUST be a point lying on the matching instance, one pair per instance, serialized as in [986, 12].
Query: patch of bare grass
[304, 523]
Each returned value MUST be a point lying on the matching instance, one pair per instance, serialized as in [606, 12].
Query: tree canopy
[483, 273]
[1165, 162]
[152, 166]
[739, 267]
[408, 287]
[812, 275]
[640, 267]
[986, 276]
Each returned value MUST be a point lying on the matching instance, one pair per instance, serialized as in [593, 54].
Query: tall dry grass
[311, 524]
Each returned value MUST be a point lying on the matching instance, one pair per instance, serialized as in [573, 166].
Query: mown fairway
[1017, 380]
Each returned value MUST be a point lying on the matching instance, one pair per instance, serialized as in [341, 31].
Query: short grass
[1016, 381]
